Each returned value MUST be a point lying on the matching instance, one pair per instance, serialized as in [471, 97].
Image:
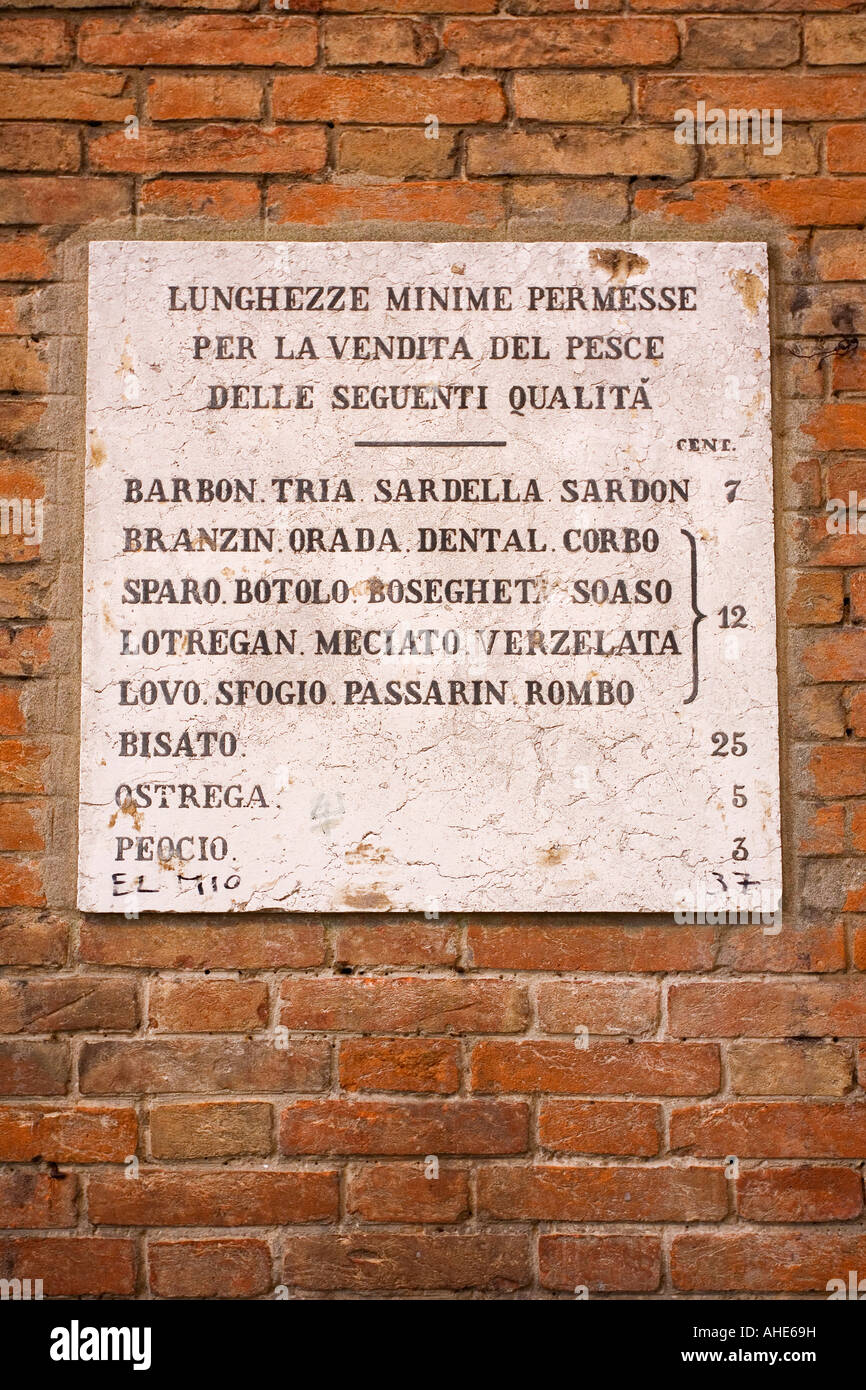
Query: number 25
[720, 744]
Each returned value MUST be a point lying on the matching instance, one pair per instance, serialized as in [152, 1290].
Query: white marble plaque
[429, 577]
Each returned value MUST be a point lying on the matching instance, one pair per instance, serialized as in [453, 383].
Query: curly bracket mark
[698, 615]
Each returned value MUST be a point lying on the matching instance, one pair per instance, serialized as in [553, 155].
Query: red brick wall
[283, 1082]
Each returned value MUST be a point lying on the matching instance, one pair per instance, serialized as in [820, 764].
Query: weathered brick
[38, 145]
[620, 1127]
[208, 1006]
[531, 945]
[35, 42]
[857, 587]
[835, 39]
[834, 884]
[211, 4]
[43, 941]
[404, 1127]
[568, 97]
[173, 96]
[25, 255]
[22, 823]
[387, 98]
[33, 1068]
[396, 943]
[649, 1068]
[771, 1261]
[620, 152]
[821, 829]
[400, 1064]
[817, 598]
[404, 1004]
[196, 1065]
[83, 1134]
[768, 1008]
[741, 43]
[404, 1192]
[562, 1192]
[21, 885]
[82, 1003]
[393, 151]
[248, 945]
[741, 6]
[816, 545]
[71, 1266]
[544, 203]
[781, 1129]
[840, 255]
[210, 1129]
[222, 200]
[838, 771]
[800, 1194]
[845, 475]
[796, 202]
[798, 375]
[24, 595]
[526, 7]
[16, 312]
[234, 149]
[18, 419]
[601, 1006]
[209, 1268]
[436, 7]
[370, 1260]
[846, 149]
[826, 309]
[25, 651]
[199, 40]
[204, 1198]
[600, 1263]
[848, 368]
[12, 720]
[804, 483]
[67, 96]
[60, 201]
[837, 424]
[357, 43]
[33, 1200]
[463, 204]
[802, 96]
[20, 482]
[574, 42]
[789, 1068]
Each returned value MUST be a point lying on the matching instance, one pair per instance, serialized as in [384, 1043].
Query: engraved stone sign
[428, 577]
